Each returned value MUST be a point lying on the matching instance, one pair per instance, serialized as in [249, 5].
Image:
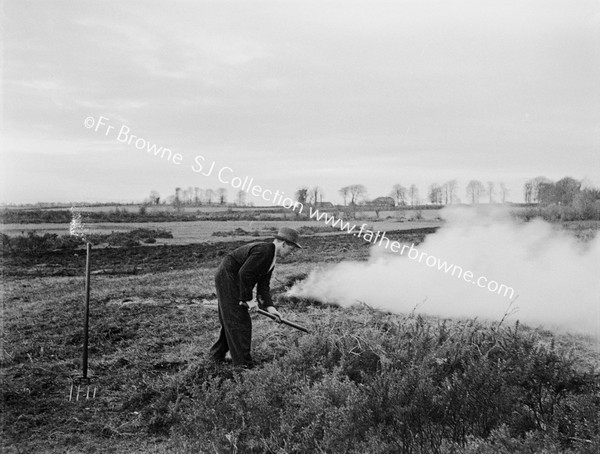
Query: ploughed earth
[156, 258]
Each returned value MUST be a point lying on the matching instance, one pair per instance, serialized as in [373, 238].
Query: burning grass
[361, 381]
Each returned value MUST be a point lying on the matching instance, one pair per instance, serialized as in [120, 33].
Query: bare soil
[159, 258]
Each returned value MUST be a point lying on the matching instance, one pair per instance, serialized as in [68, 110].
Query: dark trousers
[236, 325]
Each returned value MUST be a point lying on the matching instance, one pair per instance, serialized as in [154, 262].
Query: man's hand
[271, 310]
[251, 305]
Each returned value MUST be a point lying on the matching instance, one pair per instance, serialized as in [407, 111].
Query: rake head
[82, 388]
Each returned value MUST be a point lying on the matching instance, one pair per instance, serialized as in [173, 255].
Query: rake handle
[283, 320]
[86, 314]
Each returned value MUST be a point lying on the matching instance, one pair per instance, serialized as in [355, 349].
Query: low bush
[32, 243]
[409, 387]
[562, 213]
[239, 232]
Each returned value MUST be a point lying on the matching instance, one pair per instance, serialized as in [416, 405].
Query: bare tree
[241, 197]
[314, 194]
[154, 197]
[197, 196]
[503, 192]
[435, 194]
[474, 190]
[357, 191]
[452, 187]
[399, 194]
[528, 191]
[344, 192]
[321, 195]
[177, 199]
[413, 194]
[449, 192]
[209, 194]
[222, 196]
[491, 190]
[532, 188]
[186, 196]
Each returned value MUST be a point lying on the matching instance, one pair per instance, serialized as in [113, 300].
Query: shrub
[409, 387]
[581, 209]
[32, 243]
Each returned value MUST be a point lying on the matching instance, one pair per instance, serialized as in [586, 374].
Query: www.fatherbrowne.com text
[380, 239]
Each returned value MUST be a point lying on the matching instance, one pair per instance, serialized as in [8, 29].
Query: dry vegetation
[361, 381]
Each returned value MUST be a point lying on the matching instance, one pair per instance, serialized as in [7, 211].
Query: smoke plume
[553, 276]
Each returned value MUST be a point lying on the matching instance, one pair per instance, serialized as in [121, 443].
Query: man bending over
[240, 271]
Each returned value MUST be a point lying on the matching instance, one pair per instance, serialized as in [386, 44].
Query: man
[240, 271]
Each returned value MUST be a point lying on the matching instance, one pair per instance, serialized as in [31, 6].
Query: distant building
[383, 202]
[325, 205]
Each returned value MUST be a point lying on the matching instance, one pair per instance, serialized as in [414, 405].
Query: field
[200, 231]
[256, 221]
[362, 381]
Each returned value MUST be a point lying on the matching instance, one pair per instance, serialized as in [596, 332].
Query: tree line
[539, 190]
[195, 196]
[437, 194]
[565, 191]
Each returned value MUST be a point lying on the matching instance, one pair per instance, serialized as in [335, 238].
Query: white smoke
[555, 277]
[77, 227]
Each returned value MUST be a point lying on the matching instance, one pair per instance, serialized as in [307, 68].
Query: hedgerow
[33, 243]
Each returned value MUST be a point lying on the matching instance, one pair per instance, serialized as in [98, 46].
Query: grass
[193, 232]
[361, 381]
[143, 329]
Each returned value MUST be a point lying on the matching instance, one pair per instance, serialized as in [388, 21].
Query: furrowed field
[362, 381]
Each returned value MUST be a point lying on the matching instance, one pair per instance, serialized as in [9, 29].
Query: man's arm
[263, 295]
[263, 291]
[249, 274]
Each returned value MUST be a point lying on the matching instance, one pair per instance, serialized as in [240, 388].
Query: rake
[84, 388]
[83, 383]
[283, 320]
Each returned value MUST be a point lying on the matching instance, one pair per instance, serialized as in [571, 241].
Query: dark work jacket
[250, 264]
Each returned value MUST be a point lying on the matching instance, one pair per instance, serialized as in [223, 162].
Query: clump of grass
[131, 238]
[239, 232]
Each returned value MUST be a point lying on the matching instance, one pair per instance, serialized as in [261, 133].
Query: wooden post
[86, 316]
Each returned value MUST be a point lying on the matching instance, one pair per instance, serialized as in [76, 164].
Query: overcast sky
[294, 93]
